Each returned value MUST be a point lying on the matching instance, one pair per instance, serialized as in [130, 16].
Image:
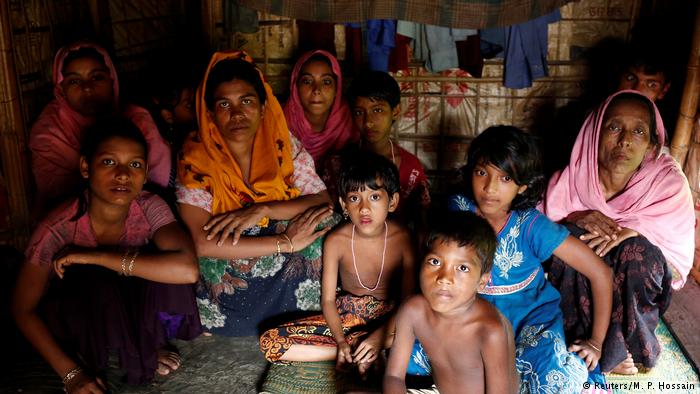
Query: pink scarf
[339, 128]
[56, 135]
[656, 202]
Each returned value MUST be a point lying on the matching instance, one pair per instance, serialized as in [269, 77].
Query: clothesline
[465, 14]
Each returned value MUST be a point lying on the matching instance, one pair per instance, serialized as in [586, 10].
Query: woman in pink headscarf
[316, 112]
[632, 205]
[86, 89]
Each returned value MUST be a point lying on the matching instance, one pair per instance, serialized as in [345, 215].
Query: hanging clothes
[380, 40]
[353, 48]
[524, 48]
[434, 44]
[399, 56]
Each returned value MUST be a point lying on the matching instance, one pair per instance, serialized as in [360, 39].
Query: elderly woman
[316, 112]
[632, 205]
[241, 178]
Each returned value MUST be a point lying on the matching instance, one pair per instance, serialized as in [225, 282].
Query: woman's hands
[69, 256]
[588, 351]
[234, 223]
[302, 228]
[603, 233]
[601, 245]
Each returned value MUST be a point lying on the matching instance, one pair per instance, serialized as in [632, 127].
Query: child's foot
[626, 367]
[168, 361]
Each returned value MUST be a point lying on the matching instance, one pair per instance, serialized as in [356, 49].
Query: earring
[346, 215]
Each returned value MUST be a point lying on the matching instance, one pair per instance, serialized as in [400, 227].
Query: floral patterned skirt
[243, 297]
[641, 294]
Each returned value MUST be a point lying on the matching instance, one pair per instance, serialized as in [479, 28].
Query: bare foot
[168, 361]
[626, 367]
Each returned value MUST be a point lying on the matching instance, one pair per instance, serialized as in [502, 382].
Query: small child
[91, 286]
[373, 258]
[374, 99]
[469, 343]
[505, 182]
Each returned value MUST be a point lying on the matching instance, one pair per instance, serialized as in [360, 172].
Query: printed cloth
[93, 311]
[359, 315]
[339, 129]
[641, 295]
[206, 162]
[657, 201]
[55, 137]
[242, 297]
[541, 356]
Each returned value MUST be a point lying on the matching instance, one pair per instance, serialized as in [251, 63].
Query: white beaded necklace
[381, 270]
[393, 159]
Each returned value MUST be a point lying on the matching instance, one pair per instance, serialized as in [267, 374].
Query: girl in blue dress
[504, 169]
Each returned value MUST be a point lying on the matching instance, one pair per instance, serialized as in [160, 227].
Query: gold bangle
[590, 343]
[291, 245]
[71, 375]
[279, 250]
[131, 263]
[124, 257]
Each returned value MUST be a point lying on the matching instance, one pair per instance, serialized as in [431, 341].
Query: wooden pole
[689, 103]
[12, 136]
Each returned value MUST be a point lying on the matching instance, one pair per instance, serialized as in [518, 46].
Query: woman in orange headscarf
[241, 178]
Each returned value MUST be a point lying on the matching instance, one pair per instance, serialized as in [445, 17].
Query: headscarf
[656, 201]
[207, 163]
[56, 136]
[339, 127]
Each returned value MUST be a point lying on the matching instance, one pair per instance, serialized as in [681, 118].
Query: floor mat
[314, 378]
[673, 372]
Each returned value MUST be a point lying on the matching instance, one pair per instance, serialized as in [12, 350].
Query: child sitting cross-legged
[469, 343]
[373, 258]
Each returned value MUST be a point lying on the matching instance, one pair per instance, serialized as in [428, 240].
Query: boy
[373, 258]
[469, 343]
[374, 99]
[646, 74]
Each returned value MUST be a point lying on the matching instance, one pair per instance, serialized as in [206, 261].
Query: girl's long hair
[514, 152]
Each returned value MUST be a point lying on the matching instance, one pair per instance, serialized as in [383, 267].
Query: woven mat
[314, 378]
[672, 368]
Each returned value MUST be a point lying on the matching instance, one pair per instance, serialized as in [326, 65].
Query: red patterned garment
[359, 316]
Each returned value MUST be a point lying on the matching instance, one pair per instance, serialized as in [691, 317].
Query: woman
[632, 205]
[108, 273]
[86, 89]
[316, 112]
[241, 178]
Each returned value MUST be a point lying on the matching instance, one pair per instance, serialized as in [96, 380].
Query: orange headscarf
[206, 162]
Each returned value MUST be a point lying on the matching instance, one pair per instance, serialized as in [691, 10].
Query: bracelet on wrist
[279, 249]
[124, 257]
[592, 344]
[289, 240]
[131, 263]
[71, 375]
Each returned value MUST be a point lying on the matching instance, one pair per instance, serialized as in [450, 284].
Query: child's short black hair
[376, 85]
[107, 128]
[514, 152]
[228, 70]
[467, 230]
[650, 59]
[368, 170]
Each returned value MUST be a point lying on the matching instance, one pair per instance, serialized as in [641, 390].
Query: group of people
[312, 206]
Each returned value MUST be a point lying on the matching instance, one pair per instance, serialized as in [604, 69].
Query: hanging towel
[434, 44]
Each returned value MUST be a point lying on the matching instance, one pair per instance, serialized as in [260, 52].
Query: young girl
[504, 169]
[373, 257]
[111, 270]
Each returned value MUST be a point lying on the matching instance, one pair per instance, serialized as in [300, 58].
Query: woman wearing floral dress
[255, 207]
